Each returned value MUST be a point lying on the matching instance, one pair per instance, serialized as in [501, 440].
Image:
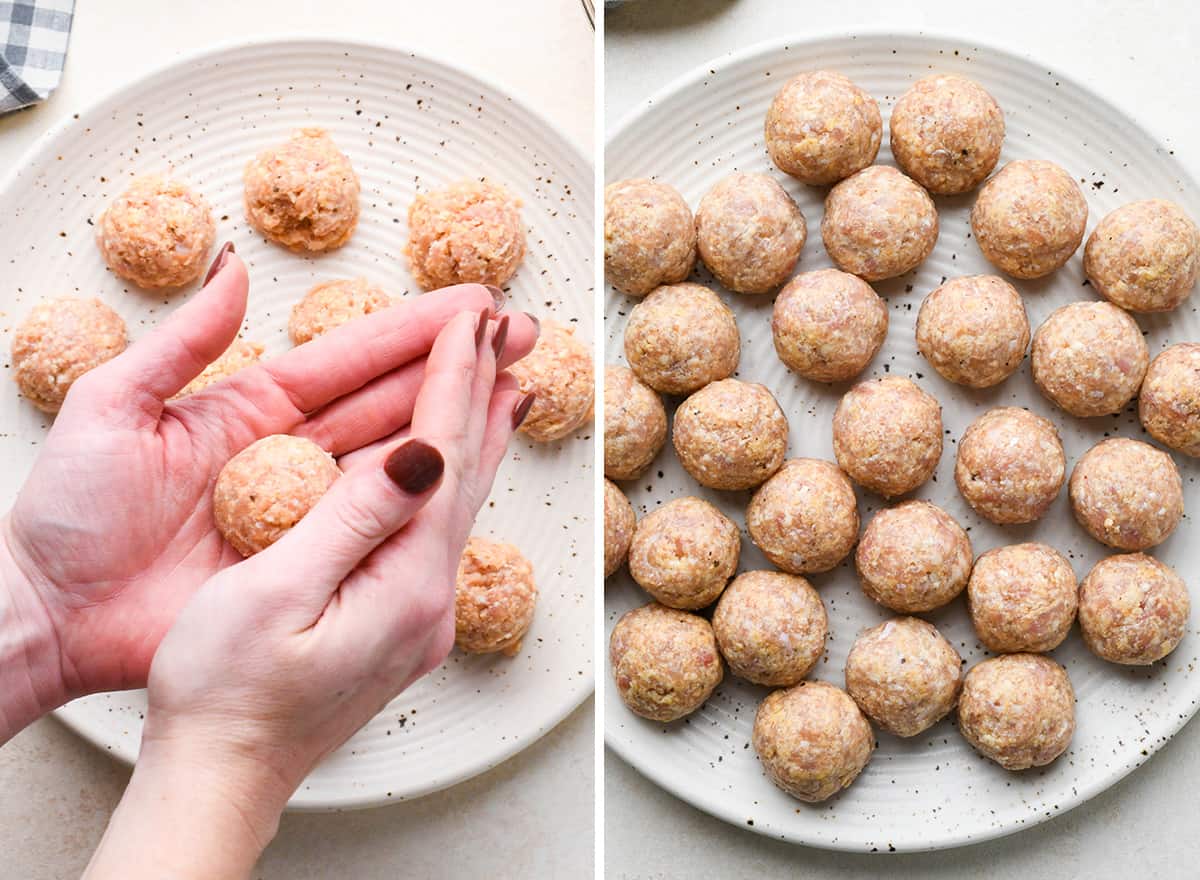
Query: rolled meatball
[821, 127]
[1029, 218]
[904, 675]
[1089, 358]
[1169, 402]
[1022, 598]
[946, 133]
[157, 233]
[664, 662]
[635, 424]
[973, 330]
[812, 740]
[494, 598]
[560, 373]
[1018, 710]
[58, 342]
[1010, 465]
[879, 224]
[619, 524]
[331, 304]
[913, 557]
[828, 325]
[771, 627]
[649, 236]
[1133, 609]
[887, 435]
[468, 232]
[1144, 256]
[684, 553]
[805, 518]
[730, 435]
[238, 356]
[680, 338]
[1127, 494]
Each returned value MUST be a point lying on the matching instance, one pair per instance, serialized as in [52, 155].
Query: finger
[506, 410]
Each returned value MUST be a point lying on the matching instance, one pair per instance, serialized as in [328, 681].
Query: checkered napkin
[33, 48]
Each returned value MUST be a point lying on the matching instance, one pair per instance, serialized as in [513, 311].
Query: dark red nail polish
[501, 337]
[537, 325]
[499, 297]
[481, 327]
[415, 467]
[219, 261]
[521, 410]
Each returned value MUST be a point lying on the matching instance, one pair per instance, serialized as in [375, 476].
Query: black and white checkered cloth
[33, 48]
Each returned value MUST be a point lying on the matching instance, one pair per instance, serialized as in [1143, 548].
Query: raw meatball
[649, 236]
[467, 232]
[680, 338]
[267, 488]
[1029, 218]
[157, 233]
[828, 324]
[973, 330]
[560, 372]
[750, 233]
[771, 627]
[887, 435]
[60, 341]
[1169, 403]
[684, 553]
[879, 224]
[812, 740]
[331, 304]
[1144, 256]
[494, 598]
[1127, 494]
[635, 424]
[1018, 710]
[913, 557]
[1010, 465]
[303, 193]
[1089, 358]
[805, 518]
[619, 524]
[1133, 609]
[730, 435]
[1022, 598]
[904, 675]
[821, 127]
[238, 356]
[946, 133]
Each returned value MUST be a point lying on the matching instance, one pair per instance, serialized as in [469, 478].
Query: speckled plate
[408, 123]
[932, 791]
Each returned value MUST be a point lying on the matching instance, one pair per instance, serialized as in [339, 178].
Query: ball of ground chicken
[750, 233]
[1022, 598]
[821, 127]
[58, 342]
[664, 662]
[619, 524]
[238, 356]
[649, 236]
[913, 557]
[974, 330]
[267, 488]
[494, 598]
[828, 324]
[904, 675]
[157, 233]
[635, 424]
[560, 373]
[1144, 256]
[887, 435]
[1169, 402]
[1089, 358]
[1018, 710]
[303, 193]
[1010, 465]
[331, 304]
[805, 518]
[1029, 218]
[730, 435]
[467, 232]
[680, 338]
[1127, 494]
[684, 553]
[1133, 609]
[771, 627]
[812, 740]
[946, 133]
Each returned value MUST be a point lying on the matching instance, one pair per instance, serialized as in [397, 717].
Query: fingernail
[481, 327]
[501, 337]
[498, 296]
[415, 467]
[219, 261]
[521, 410]
[537, 325]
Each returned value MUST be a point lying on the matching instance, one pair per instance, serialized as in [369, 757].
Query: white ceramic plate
[932, 791]
[408, 123]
